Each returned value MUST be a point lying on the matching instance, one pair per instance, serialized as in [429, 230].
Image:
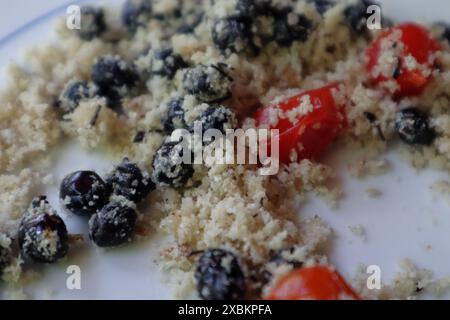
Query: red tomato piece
[414, 42]
[313, 132]
[314, 283]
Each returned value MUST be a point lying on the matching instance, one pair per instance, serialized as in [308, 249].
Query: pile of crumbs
[174, 61]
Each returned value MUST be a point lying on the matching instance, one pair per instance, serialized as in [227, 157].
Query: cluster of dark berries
[112, 79]
[109, 203]
[254, 23]
[185, 15]
[173, 162]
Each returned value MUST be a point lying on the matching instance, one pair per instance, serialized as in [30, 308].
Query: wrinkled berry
[113, 225]
[233, 35]
[136, 13]
[83, 193]
[43, 234]
[356, 15]
[413, 127]
[160, 62]
[169, 167]
[219, 276]
[74, 93]
[174, 116]
[128, 181]
[92, 23]
[219, 118]
[208, 83]
[289, 27]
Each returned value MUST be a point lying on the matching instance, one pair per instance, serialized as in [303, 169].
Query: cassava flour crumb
[123, 87]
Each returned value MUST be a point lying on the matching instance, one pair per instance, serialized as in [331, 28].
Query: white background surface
[404, 223]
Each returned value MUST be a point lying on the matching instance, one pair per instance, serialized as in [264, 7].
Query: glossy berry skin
[113, 225]
[74, 93]
[174, 116]
[413, 127]
[356, 16]
[83, 193]
[169, 169]
[286, 33]
[162, 62]
[219, 276]
[313, 133]
[92, 23]
[43, 234]
[415, 42]
[312, 283]
[233, 35]
[216, 117]
[136, 13]
[128, 181]
[208, 83]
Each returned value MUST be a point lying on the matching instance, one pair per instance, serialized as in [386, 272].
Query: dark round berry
[233, 35]
[128, 181]
[208, 83]
[160, 62]
[5, 252]
[112, 73]
[356, 16]
[92, 23]
[219, 276]
[413, 127]
[74, 93]
[43, 234]
[113, 225]
[83, 193]
[289, 27]
[219, 118]
[136, 13]
[174, 116]
[169, 167]
[322, 6]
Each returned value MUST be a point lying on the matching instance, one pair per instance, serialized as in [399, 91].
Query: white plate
[404, 223]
